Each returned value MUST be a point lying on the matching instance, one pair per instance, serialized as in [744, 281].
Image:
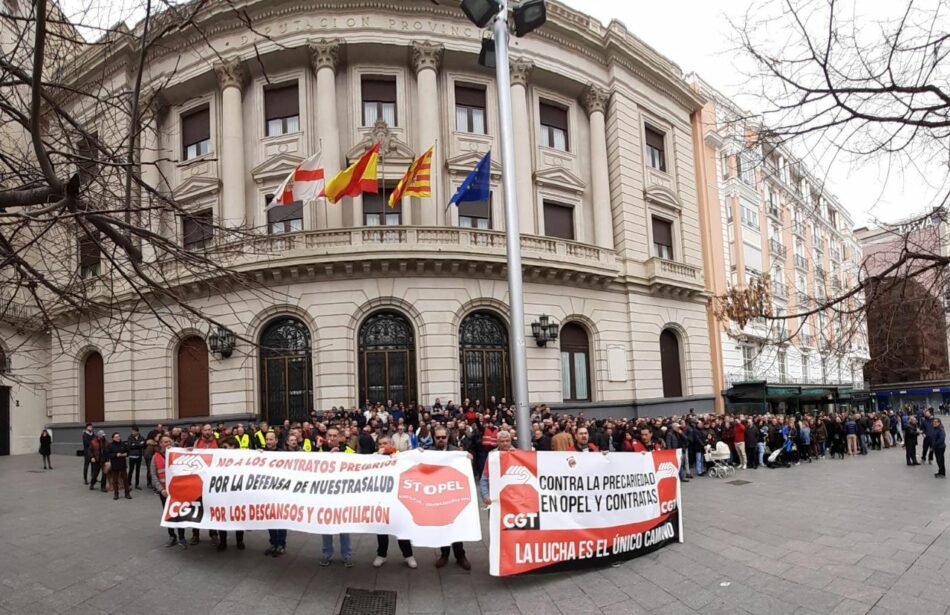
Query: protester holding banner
[158, 483]
[441, 437]
[333, 445]
[385, 447]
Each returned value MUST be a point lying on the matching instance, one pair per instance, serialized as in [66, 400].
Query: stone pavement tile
[854, 590]
[850, 573]
[647, 594]
[629, 607]
[66, 599]
[808, 577]
[535, 603]
[851, 607]
[578, 604]
[884, 565]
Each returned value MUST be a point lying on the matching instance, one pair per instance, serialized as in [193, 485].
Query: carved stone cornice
[595, 99]
[425, 55]
[325, 53]
[231, 73]
[520, 70]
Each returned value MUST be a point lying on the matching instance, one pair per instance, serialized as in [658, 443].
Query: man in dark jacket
[926, 426]
[751, 445]
[87, 437]
[118, 453]
[441, 436]
[136, 444]
[939, 447]
[910, 442]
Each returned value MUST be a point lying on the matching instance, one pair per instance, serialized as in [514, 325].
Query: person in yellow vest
[243, 438]
[260, 438]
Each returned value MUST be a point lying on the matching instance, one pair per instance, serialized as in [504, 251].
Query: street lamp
[221, 341]
[544, 330]
[528, 16]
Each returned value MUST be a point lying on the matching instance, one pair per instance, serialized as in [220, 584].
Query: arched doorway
[575, 363]
[93, 391]
[670, 364]
[387, 359]
[286, 371]
[193, 388]
[483, 357]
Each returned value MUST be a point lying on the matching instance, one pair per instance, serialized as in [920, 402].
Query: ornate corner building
[360, 301]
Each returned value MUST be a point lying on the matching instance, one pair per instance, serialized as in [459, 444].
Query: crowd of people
[742, 441]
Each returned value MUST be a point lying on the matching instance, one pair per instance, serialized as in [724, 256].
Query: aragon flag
[355, 179]
[417, 181]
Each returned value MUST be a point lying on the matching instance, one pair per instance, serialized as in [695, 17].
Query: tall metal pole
[519, 362]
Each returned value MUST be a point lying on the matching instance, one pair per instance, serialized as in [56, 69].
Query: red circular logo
[434, 495]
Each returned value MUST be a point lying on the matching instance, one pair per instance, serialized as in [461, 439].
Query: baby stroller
[718, 461]
[777, 459]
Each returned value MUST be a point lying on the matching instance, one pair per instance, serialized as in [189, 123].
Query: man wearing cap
[136, 444]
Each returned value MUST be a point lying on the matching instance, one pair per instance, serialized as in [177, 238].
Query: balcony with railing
[798, 228]
[801, 262]
[802, 298]
[421, 250]
[774, 212]
[672, 277]
[777, 248]
[779, 290]
[819, 272]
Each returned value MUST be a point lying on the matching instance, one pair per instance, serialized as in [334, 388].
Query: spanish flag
[355, 179]
[417, 180]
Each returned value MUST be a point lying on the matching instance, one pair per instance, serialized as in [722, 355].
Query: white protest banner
[562, 509]
[427, 497]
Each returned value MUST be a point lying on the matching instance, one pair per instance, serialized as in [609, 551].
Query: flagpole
[326, 211]
[519, 361]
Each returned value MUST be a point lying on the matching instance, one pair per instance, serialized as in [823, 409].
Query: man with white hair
[504, 444]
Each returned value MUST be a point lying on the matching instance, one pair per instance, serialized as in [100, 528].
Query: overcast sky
[697, 35]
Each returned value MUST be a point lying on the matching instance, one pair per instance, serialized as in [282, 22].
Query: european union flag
[475, 187]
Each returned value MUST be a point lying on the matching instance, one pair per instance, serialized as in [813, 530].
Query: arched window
[387, 359]
[575, 363]
[483, 357]
[670, 364]
[93, 391]
[193, 388]
[286, 371]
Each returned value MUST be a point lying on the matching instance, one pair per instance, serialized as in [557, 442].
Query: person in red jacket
[739, 440]
[206, 440]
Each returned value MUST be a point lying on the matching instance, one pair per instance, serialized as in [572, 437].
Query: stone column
[231, 76]
[426, 58]
[324, 58]
[148, 169]
[595, 101]
[520, 72]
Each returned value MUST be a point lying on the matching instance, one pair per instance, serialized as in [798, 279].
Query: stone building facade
[356, 300]
[769, 215]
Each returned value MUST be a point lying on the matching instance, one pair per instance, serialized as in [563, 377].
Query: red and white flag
[304, 183]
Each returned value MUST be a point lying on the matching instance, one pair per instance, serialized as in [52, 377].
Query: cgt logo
[190, 463]
[186, 486]
[521, 521]
[184, 499]
[667, 507]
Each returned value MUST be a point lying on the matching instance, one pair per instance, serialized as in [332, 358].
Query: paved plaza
[866, 535]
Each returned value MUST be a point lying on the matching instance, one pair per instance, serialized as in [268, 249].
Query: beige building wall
[334, 272]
